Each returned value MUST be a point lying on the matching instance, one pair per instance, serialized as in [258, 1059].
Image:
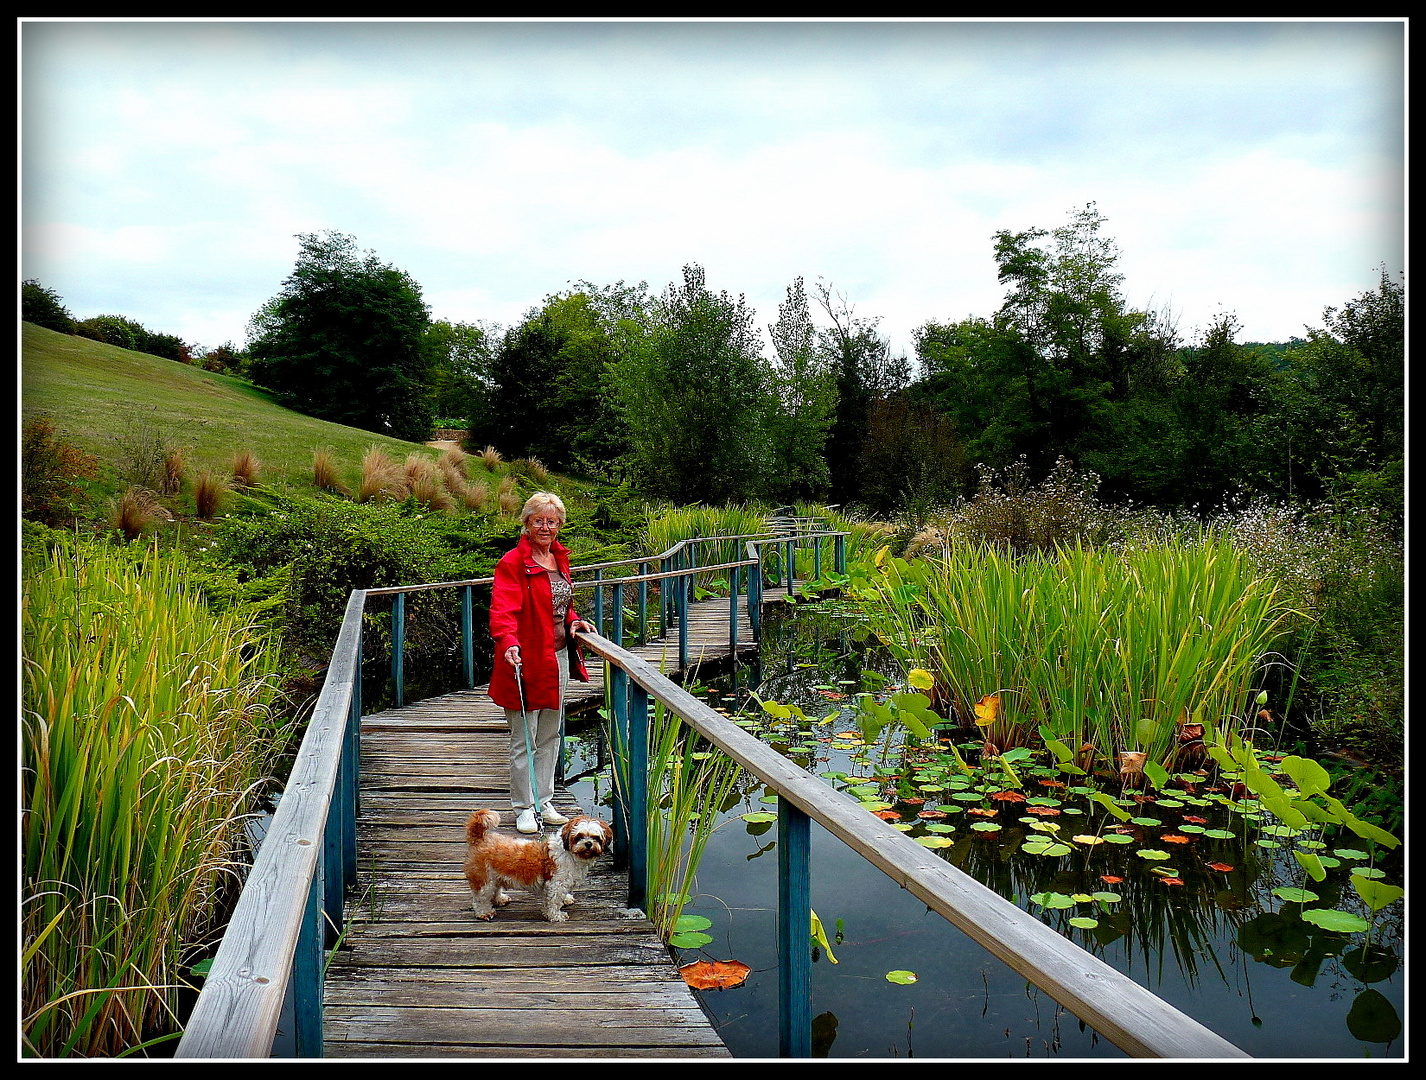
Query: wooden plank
[420, 976]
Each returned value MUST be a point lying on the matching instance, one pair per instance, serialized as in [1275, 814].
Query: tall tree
[805, 395]
[865, 371]
[343, 338]
[693, 389]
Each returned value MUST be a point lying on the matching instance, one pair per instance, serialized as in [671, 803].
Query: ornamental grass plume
[208, 492]
[246, 468]
[490, 457]
[381, 477]
[423, 483]
[326, 476]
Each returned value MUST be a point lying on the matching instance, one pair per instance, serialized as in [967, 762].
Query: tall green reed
[146, 725]
[1115, 649]
[689, 782]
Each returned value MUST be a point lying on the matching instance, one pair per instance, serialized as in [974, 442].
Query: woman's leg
[544, 729]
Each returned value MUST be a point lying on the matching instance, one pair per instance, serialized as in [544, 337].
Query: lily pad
[903, 978]
[1343, 922]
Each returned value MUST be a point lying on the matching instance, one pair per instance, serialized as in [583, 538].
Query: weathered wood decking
[419, 976]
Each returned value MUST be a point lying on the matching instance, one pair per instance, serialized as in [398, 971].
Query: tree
[805, 395]
[550, 395]
[460, 356]
[865, 371]
[693, 388]
[43, 307]
[343, 339]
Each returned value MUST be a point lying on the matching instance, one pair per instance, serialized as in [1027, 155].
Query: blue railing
[293, 898]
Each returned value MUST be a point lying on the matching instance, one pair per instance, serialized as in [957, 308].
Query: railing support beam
[794, 931]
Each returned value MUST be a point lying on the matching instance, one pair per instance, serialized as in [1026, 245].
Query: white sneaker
[552, 816]
[525, 821]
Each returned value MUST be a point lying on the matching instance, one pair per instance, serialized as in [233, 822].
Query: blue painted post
[467, 635]
[683, 621]
[841, 550]
[791, 567]
[307, 974]
[643, 604]
[398, 649]
[619, 746]
[663, 598]
[598, 601]
[619, 614]
[733, 590]
[638, 796]
[817, 558]
[692, 565]
[794, 931]
[755, 592]
[351, 795]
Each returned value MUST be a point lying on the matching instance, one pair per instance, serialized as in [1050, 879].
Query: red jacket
[520, 606]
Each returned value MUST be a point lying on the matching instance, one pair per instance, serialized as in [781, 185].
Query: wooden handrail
[1129, 1016]
[278, 921]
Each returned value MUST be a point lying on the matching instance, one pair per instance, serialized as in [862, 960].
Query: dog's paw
[557, 916]
[501, 899]
[568, 899]
[484, 916]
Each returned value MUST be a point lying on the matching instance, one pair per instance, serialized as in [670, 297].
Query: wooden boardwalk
[419, 976]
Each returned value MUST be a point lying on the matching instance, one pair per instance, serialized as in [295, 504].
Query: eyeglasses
[544, 523]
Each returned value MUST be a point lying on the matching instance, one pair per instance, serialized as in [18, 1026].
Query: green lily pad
[1293, 895]
[903, 978]
[1343, 922]
[1084, 922]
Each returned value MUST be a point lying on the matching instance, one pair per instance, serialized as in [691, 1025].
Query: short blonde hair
[539, 501]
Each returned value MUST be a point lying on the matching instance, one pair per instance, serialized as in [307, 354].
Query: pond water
[1201, 926]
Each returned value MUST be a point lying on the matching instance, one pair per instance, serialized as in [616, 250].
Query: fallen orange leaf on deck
[714, 974]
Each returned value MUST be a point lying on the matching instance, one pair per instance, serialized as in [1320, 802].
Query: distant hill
[97, 394]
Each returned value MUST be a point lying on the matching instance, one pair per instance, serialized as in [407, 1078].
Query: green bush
[52, 474]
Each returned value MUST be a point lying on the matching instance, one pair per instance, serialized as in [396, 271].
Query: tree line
[680, 393]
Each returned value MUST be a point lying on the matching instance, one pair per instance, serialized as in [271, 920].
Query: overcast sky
[168, 167]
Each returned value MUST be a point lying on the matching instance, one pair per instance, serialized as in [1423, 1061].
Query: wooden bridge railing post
[638, 743]
[467, 635]
[398, 649]
[794, 930]
[306, 977]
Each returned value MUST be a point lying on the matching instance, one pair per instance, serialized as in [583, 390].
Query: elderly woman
[532, 620]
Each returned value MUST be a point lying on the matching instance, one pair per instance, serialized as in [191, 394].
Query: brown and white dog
[550, 866]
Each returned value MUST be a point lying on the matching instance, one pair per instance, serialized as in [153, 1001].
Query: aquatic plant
[147, 723]
[1115, 651]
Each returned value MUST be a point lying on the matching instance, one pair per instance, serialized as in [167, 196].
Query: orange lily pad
[1193, 819]
[984, 811]
[1110, 879]
[714, 974]
[1174, 838]
[1008, 796]
[1042, 811]
[1172, 881]
[1221, 867]
[888, 815]
[932, 815]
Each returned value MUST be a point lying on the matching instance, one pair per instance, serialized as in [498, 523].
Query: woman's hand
[579, 626]
[512, 656]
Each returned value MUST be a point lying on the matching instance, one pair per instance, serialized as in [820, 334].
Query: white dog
[495, 862]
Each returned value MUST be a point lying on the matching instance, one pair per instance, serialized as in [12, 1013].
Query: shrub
[332, 547]
[52, 472]
[490, 457]
[145, 454]
[43, 307]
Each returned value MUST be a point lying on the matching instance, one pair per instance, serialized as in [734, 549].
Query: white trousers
[544, 726]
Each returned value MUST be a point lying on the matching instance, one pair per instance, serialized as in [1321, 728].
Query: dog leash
[529, 749]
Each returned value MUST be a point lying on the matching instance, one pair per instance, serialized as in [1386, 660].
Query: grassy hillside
[98, 395]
